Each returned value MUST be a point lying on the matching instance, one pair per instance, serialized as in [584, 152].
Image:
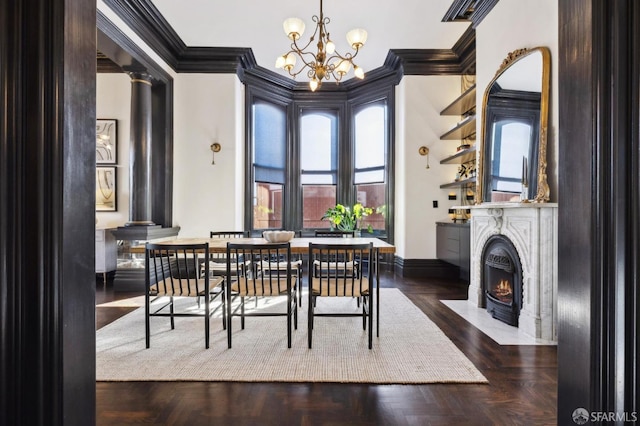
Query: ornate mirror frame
[542, 194]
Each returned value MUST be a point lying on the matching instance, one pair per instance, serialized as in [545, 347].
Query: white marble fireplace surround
[533, 230]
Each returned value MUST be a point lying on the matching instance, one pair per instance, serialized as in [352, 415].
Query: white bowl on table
[278, 236]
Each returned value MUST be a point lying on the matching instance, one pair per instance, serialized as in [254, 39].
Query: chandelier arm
[336, 55]
[309, 64]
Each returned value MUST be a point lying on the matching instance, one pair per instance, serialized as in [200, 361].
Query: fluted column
[140, 151]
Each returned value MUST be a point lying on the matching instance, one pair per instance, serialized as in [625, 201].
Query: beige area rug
[410, 349]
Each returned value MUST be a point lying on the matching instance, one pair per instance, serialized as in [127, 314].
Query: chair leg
[173, 322]
[299, 284]
[295, 310]
[242, 312]
[364, 314]
[229, 322]
[289, 319]
[224, 307]
[147, 327]
[310, 322]
[370, 320]
[207, 306]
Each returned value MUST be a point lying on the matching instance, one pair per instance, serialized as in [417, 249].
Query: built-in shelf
[462, 104]
[459, 183]
[463, 130]
[461, 157]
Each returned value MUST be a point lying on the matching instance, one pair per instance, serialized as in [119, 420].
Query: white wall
[512, 25]
[419, 100]
[113, 100]
[207, 197]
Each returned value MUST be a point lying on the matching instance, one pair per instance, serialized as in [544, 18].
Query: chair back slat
[338, 270]
[177, 269]
[257, 268]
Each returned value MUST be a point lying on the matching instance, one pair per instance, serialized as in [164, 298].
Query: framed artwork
[106, 193]
[106, 141]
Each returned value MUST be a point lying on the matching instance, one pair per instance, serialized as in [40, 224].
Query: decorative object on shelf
[524, 194]
[459, 215]
[106, 141]
[215, 147]
[470, 195]
[106, 195]
[424, 151]
[326, 62]
[348, 218]
[464, 146]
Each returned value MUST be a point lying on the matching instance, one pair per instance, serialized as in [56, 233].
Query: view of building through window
[370, 160]
[319, 166]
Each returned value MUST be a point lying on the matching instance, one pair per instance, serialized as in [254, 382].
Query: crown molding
[147, 21]
[469, 10]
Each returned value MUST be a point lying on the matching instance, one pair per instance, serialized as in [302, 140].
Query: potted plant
[348, 218]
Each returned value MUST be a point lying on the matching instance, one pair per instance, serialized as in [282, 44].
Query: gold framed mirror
[512, 155]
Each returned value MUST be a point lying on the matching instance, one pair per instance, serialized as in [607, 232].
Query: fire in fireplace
[502, 279]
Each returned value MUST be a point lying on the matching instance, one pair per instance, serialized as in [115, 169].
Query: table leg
[376, 266]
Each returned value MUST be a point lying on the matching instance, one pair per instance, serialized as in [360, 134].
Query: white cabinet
[106, 252]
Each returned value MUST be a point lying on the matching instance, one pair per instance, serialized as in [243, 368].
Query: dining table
[299, 245]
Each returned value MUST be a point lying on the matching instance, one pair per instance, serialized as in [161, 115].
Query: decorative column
[140, 151]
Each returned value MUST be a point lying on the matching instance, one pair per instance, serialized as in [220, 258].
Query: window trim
[346, 103]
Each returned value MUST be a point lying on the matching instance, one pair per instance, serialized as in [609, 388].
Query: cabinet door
[448, 244]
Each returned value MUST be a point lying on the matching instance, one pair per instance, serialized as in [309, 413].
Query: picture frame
[106, 141]
[106, 189]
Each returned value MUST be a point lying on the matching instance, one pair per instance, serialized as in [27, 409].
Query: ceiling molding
[473, 11]
[147, 21]
[126, 54]
[465, 49]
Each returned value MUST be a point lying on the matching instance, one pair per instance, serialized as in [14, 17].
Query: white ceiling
[403, 24]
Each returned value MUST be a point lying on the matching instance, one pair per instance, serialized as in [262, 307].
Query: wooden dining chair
[336, 271]
[218, 261]
[174, 271]
[257, 276]
[296, 267]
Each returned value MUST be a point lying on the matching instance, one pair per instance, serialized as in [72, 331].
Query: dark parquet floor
[522, 388]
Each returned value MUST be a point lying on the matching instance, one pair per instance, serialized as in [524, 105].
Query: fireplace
[531, 230]
[502, 279]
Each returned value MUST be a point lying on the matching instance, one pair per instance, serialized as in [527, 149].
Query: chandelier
[325, 62]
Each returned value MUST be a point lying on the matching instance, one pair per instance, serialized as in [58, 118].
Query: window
[370, 160]
[318, 165]
[269, 164]
[308, 153]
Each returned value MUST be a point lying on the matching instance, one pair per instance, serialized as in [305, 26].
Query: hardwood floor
[522, 388]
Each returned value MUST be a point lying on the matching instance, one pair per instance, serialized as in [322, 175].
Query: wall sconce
[452, 214]
[453, 196]
[423, 150]
[215, 147]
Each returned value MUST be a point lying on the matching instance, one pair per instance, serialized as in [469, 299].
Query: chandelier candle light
[326, 62]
